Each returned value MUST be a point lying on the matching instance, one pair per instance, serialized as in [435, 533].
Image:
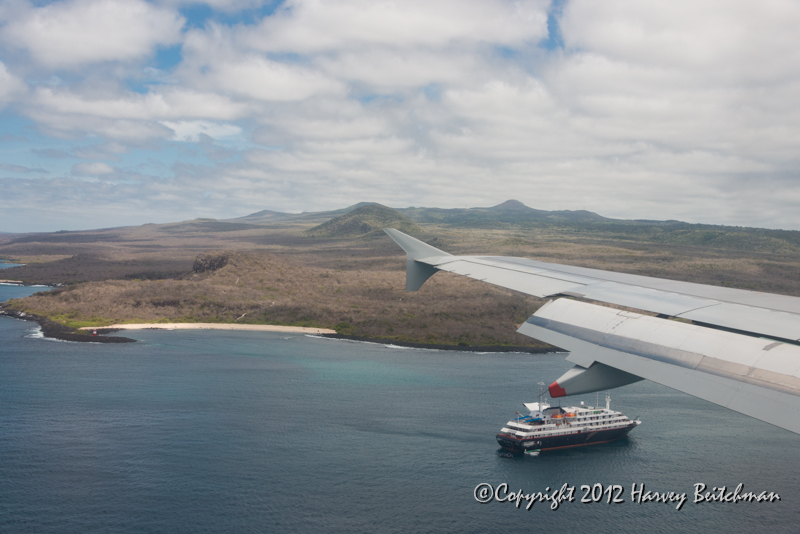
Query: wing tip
[556, 391]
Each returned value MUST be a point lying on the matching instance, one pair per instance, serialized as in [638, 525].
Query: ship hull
[576, 439]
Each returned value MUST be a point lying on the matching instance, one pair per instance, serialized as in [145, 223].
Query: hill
[269, 217]
[364, 220]
[509, 213]
[513, 215]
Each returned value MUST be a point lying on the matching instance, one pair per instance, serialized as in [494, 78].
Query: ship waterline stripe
[581, 431]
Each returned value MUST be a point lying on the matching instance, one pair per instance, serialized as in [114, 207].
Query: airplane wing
[736, 348]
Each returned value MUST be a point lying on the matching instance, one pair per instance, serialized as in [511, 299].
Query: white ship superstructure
[553, 427]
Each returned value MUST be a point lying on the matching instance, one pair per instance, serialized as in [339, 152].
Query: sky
[128, 112]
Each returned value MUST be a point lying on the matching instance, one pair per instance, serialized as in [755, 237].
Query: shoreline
[435, 346]
[210, 326]
[23, 283]
[53, 330]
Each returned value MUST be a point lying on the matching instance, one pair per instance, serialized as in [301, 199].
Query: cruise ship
[548, 427]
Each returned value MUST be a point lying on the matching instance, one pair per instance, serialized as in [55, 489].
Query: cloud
[52, 153]
[76, 126]
[108, 151]
[733, 40]
[214, 61]
[123, 116]
[10, 86]
[164, 103]
[392, 70]
[21, 169]
[192, 130]
[75, 32]
[261, 79]
[304, 26]
[96, 168]
[649, 110]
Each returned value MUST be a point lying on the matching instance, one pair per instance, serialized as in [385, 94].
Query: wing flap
[772, 323]
[712, 351]
[644, 298]
[715, 365]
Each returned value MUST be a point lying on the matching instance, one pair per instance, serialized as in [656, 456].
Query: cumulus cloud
[315, 25]
[76, 126]
[124, 116]
[10, 86]
[166, 103]
[75, 32]
[391, 70]
[214, 61]
[650, 110]
[718, 39]
[715, 76]
[261, 79]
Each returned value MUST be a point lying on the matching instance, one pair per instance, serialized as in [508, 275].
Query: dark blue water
[258, 432]
[6, 265]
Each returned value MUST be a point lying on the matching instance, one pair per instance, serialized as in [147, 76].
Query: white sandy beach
[216, 326]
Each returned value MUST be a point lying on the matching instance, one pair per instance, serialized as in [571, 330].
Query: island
[337, 274]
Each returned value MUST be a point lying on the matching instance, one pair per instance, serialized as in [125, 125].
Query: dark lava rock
[55, 330]
[210, 262]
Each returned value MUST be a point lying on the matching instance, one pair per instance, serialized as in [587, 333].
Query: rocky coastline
[54, 330]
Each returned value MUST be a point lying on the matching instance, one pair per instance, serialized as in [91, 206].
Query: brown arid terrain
[339, 270]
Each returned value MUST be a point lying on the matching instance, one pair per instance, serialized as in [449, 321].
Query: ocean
[213, 431]
[7, 264]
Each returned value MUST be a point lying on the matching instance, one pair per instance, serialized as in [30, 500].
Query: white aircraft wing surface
[733, 347]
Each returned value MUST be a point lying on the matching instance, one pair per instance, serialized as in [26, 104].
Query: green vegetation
[280, 271]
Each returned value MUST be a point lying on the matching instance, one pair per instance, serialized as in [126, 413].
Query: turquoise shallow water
[202, 431]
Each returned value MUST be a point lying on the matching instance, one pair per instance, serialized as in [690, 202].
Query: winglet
[417, 270]
[597, 377]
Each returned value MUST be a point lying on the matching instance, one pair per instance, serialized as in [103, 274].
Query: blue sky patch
[198, 15]
[554, 40]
